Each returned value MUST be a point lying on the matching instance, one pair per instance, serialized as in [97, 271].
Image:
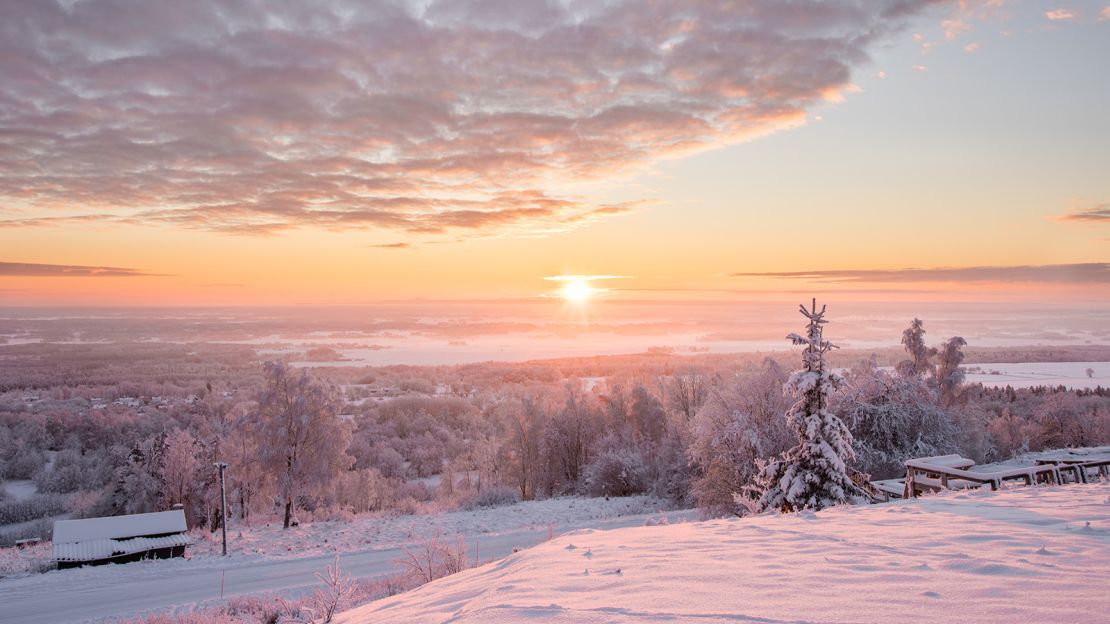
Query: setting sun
[577, 291]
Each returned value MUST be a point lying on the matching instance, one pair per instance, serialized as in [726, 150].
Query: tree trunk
[288, 512]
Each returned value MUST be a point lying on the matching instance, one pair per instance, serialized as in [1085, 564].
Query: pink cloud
[1059, 14]
[25, 269]
[1079, 273]
[1094, 214]
[262, 117]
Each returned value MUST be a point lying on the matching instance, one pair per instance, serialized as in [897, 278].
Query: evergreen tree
[814, 473]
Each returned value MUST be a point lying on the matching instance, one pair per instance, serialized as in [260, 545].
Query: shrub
[434, 558]
[23, 464]
[490, 497]
[31, 508]
[617, 472]
[40, 529]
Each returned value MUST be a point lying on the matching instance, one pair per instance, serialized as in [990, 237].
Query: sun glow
[577, 291]
[578, 288]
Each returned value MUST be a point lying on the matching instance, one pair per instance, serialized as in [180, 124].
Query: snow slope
[1029, 554]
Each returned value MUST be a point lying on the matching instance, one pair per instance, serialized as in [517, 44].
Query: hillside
[1021, 555]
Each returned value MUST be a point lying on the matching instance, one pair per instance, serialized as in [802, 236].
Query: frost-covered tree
[892, 419]
[686, 393]
[814, 473]
[302, 442]
[948, 373]
[913, 339]
[737, 427]
[139, 486]
[183, 475]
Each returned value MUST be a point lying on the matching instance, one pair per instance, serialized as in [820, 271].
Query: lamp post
[221, 466]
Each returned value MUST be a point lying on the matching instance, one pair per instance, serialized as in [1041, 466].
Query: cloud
[24, 269]
[1083, 273]
[392, 246]
[582, 278]
[1059, 14]
[953, 28]
[423, 117]
[1097, 214]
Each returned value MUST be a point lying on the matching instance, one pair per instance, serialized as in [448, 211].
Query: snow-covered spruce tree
[814, 473]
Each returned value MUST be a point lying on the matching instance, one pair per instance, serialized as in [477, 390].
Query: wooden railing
[923, 476]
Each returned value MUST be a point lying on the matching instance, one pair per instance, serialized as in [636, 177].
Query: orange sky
[973, 137]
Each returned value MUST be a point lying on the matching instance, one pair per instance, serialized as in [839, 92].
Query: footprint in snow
[571, 547]
[930, 594]
[588, 554]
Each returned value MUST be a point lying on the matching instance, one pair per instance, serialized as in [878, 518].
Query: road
[82, 595]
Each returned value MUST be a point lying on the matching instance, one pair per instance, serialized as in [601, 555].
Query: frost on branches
[814, 474]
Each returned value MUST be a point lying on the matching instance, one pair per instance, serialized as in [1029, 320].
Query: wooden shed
[120, 539]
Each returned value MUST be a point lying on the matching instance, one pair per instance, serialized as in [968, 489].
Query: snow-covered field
[1028, 374]
[1027, 554]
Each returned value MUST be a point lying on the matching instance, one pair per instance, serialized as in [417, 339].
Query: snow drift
[1031, 554]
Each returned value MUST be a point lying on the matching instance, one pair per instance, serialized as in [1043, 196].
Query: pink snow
[1027, 554]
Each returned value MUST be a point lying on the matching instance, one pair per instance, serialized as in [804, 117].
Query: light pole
[221, 466]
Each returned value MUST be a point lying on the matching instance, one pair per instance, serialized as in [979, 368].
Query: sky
[242, 153]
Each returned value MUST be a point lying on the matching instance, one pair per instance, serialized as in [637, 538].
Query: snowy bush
[22, 463]
[73, 471]
[13, 511]
[434, 558]
[42, 529]
[338, 593]
[616, 472]
[893, 419]
[489, 497]
[33, 559]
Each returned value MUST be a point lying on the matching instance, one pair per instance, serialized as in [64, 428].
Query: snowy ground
[1027, 554]
[322, 538]
[267, 559]
[1028, 374]
[20, 489]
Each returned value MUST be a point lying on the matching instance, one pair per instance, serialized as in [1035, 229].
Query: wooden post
[221, 466]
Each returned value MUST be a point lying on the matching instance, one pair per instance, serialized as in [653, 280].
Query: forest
[114, 428]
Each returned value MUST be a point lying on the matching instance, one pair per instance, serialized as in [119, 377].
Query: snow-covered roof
[94, 549]
[117, 527]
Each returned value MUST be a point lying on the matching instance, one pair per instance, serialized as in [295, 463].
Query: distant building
[120, 539]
